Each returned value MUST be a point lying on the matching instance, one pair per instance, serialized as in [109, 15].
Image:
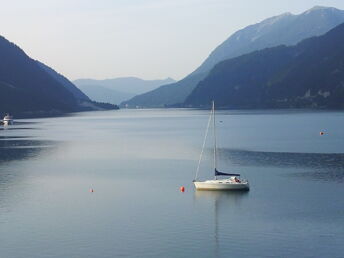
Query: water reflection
[283, 159]
[324, 166]
[16, 128]
[15, 148]
[22, 147]
[329, 175]
[11, 154]
[12, 176]
[222, 197]
[12, 137]
[18, 148]
[23, 142]
[223, 202]
[136, 160]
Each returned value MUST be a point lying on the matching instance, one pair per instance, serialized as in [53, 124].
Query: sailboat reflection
[223, 203]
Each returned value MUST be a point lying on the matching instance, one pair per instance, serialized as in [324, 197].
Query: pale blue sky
[146, 38]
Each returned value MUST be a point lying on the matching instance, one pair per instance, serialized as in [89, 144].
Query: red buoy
[182, 189]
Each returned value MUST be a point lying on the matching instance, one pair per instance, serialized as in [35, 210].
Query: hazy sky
[146, 38]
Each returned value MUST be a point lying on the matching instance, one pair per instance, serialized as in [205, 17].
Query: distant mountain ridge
[307, 75]
[285, 29]
[103, 94]
[118, 89]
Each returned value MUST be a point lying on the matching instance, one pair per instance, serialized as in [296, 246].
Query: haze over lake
[136, 160]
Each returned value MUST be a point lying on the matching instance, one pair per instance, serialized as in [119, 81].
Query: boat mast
[215, 163]
[204, 141]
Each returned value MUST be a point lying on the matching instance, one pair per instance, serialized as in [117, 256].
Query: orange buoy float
[322, 133]
[182, 189]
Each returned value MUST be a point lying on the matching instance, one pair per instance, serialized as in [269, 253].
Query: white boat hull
[8, 122]
[225, 184]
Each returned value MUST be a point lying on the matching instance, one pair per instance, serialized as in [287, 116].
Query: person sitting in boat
[237, 180]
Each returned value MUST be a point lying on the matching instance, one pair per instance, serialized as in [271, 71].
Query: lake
[136, 160]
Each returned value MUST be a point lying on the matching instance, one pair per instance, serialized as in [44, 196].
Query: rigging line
[214, 131]
[204, 141]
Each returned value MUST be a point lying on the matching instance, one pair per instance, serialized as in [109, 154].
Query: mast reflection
[221, 201]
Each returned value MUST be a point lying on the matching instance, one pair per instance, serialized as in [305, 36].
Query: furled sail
[218, 173]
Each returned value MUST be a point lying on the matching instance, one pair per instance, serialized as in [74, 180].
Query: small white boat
[232, 182]
[8, 120]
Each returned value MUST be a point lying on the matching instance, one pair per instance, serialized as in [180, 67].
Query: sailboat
[231, 181]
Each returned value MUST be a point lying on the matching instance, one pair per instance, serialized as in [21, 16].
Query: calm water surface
[136, 160]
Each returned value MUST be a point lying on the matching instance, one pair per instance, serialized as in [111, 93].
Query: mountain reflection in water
[18, 148]
[319, 166]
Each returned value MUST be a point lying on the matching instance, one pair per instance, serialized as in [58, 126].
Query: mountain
[84, 102]
[24, 86]
[164, 95]
[102, 94]
[29, 88]
[78, 94]
[307, 75]
[118, 89]
[286, 29]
